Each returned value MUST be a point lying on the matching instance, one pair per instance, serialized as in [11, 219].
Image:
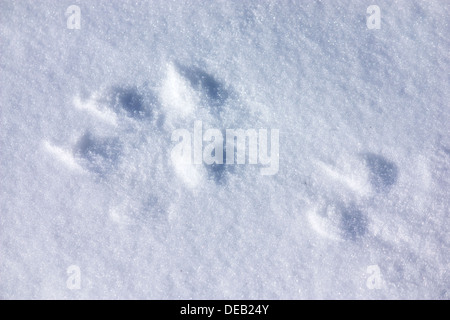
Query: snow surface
[87, 176]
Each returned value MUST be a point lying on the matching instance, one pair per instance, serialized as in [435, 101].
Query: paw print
[124, 143]
[112, 145]
[336, 215]
[189, 93]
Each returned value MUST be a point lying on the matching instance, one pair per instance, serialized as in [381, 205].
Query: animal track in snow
[126, 138]
[115, 145]
[338, 221]
[383, 173]
[338, 217]
[189, 94]
[100, 154]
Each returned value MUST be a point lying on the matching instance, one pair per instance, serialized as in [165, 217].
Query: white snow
[91, 107]
[89, 176]
[176, 94]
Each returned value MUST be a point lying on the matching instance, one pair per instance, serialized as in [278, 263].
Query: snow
[90, 180]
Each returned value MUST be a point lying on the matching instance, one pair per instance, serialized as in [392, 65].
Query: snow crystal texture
[359, 207]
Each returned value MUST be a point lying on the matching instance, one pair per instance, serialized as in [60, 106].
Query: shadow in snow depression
[130, 100]
[383, 173]
[101, 154]
[204, 82]
[353, 222]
